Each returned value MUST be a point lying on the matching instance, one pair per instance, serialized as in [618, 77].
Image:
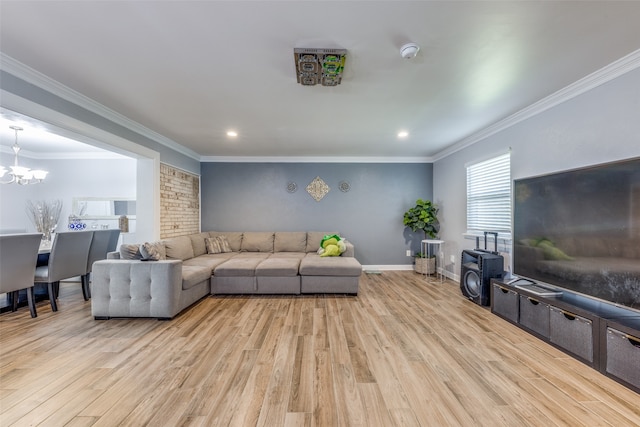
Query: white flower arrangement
[45, 215]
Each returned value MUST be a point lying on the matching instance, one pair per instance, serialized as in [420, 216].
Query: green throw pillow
[551, 252]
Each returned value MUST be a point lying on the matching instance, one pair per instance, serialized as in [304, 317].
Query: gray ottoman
[338, 275]
[278, 275]
[236, 276]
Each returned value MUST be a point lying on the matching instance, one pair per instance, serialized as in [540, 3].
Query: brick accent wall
[179, 202]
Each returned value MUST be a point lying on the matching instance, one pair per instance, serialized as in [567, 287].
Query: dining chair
[69, 254]
[113, 240]
[18, 256]
[97, 251]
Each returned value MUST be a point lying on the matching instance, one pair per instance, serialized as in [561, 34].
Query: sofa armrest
[133, 288]
[350, 250]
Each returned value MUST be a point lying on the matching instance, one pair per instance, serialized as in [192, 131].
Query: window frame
[481, 217]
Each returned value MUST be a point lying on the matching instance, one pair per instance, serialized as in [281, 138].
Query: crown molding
[610, 72]
[258, 159]
[44, 82]
[105, 155]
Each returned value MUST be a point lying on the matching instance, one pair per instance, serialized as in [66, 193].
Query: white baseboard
[397, 267]
[405, 267]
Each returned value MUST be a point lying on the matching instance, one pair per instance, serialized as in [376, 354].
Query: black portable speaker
[477, 270]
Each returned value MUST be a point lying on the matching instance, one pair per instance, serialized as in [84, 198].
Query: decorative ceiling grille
[319, 66]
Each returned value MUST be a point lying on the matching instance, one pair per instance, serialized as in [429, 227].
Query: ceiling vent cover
[319, 66]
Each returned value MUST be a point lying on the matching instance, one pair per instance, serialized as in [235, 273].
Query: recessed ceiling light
[232, 133]
[403, 134]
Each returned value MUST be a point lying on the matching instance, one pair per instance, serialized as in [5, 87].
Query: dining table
[43, 253]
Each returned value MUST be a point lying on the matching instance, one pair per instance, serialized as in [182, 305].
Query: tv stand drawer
[534, 315]
[623, 356]
[571, 332]
[504, 302]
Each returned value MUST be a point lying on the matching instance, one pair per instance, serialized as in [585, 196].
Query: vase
[76, 224]
[123, 224]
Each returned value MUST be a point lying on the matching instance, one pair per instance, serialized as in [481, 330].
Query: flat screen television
[580, 230]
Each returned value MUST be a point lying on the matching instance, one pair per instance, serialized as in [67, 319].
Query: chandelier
[20, 174]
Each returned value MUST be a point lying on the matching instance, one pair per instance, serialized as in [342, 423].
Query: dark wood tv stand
[601, 335]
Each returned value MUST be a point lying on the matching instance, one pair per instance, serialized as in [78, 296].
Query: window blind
[489, 195]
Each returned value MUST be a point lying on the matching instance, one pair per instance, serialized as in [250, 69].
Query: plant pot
[425, 265]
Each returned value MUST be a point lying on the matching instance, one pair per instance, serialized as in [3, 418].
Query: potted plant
[423, 217]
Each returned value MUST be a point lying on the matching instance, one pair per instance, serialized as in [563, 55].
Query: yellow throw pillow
[331, 250]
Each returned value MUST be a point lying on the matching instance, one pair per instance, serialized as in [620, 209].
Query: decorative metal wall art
[344, 186]
[318, 189]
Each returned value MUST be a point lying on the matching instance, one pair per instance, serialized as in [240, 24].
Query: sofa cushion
[254, 241]
[238, 267]
[315, 265]
[198, 244]
[261, 255]
[278, 267]
[290, 241]
[297, 255]
[193, 275]
[209, 261]
[314, 238]
[179, 248]
[233, 237]
[153, 251]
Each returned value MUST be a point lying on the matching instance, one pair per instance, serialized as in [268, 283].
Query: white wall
[67, 179]
[598, 126]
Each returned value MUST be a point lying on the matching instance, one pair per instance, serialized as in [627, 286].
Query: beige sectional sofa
[258, 263]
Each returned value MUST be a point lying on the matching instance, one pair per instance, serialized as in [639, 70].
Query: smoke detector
[409, 50]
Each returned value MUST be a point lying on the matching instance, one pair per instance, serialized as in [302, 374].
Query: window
[489, 195]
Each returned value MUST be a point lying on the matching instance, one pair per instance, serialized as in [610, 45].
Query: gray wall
[598, 126]
[253, 197]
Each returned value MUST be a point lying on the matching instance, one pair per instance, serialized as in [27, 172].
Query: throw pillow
[128, 251]
[213, 245]
[551, 252]
[224, 244]
[331, 250]
[154, 251]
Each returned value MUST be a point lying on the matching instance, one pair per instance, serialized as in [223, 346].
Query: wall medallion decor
[292, 187]
[344, 186]
[318, 188]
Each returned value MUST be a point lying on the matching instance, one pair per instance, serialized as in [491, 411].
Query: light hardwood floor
[405, 351]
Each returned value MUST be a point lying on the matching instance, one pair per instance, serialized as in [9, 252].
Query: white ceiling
[36, 140]
[191, 70]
